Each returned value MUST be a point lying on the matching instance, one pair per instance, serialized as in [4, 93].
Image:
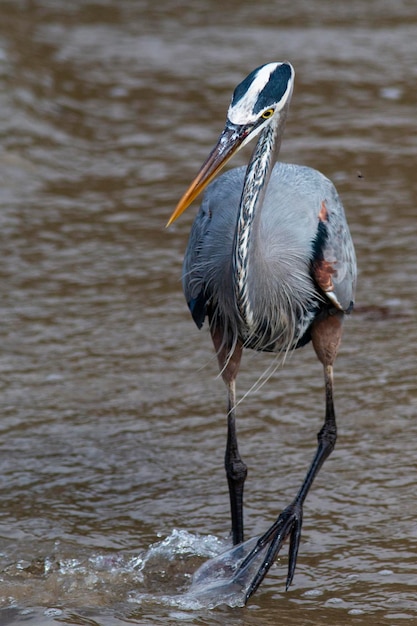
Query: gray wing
[193, 275]
[334, 261]
[209, 251]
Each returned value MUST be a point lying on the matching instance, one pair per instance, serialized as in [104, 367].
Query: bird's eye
[267, 114]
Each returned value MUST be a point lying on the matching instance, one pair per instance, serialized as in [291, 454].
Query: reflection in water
[111, 434]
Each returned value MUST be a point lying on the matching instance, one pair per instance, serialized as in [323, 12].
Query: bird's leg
[236, 470]
[326, 336]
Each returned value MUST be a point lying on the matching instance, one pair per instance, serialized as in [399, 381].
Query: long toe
[288, 524]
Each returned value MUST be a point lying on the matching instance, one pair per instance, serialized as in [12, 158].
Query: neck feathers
[256, 180]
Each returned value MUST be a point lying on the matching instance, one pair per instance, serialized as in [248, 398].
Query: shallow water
[112, 415]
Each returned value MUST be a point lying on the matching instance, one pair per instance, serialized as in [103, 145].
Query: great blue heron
[271, 263]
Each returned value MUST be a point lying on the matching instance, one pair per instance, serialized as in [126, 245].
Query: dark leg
[326, 335]
[236, 470]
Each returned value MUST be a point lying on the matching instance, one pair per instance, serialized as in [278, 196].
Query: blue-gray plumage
[271, 264]
[290, 242]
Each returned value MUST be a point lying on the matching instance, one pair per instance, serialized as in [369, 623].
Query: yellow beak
[229, 142]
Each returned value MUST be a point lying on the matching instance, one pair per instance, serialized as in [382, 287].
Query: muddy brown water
[112, 416]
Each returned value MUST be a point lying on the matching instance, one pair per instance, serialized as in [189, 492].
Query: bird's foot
[288, 524]
[233, 577]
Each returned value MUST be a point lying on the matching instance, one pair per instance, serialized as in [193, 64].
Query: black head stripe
[274, 89]
[243, 87]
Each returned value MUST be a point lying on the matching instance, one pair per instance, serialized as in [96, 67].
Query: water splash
[214, 583]
[184, 570]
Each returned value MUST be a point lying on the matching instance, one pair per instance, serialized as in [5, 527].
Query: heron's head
[257, 102]
[259, 99]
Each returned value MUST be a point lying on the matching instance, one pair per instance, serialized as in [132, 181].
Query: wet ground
[112, 423]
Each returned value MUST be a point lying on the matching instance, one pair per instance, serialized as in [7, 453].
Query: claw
[233, 576]
[294, 545]
[288, 524]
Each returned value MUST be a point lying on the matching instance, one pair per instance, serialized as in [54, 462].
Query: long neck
[256, 180]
